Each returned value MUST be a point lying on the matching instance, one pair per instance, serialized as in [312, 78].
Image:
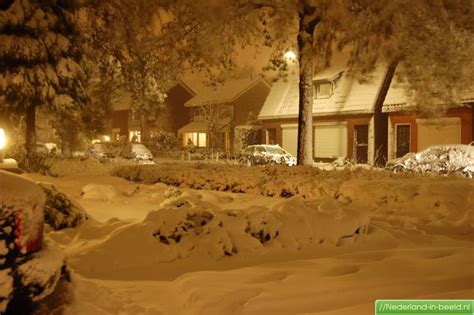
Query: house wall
[465, 114]
[250, 101]
[350, 120]
[174, 115]
[120, 121]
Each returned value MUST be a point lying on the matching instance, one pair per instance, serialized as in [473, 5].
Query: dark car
[263, 154]
[100, 151]
[437, 159]
[29, 267]
[137, 152]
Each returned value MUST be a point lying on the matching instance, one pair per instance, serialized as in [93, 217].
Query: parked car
[137, 152]
[438, 159]
[30, 268]
[100, 151]
[263, 154]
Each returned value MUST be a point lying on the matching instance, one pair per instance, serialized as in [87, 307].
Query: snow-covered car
[137, 152]
[437, 159]
[263, 154]
[29, 267]
[100, 151]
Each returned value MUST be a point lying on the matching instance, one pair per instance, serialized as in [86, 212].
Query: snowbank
[100, 192]
[186, 227]
[443, 206]
[131, 271]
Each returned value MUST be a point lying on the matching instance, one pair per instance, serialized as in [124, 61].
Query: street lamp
[3, 140]
[290, 55]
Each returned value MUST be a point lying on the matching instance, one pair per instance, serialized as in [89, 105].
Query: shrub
[163, 141]
[245, 136]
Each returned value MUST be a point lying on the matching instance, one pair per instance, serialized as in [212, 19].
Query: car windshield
[276, 150]
[249, 150]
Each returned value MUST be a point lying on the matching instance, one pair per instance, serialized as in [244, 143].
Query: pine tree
[39, 61]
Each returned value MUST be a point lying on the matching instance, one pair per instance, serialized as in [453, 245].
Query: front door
[361, 138]
[403, 140]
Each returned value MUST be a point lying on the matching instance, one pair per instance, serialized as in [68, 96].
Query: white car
[437, 159]
[137, 152]
[263, 154]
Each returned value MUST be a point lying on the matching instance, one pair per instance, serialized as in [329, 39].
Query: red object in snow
[31, 242]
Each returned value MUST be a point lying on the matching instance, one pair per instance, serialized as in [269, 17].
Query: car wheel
[398, 169]
[245, 161]
[467, 174]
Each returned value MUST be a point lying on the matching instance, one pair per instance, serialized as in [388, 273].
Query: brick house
[170, 119]
[236, 101]
[343, 117]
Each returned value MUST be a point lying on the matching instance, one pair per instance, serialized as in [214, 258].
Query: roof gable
[349, 95]
[228, 92]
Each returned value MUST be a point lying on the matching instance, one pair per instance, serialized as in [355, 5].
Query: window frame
[316, 88]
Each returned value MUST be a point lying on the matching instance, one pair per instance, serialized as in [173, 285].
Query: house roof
[228, 92]
[349, 95]
[201, 126]
[397, 98]
[124, 99]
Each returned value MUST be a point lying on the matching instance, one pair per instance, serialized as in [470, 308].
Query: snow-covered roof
[397, 98]
[349, 95]
[228, 92]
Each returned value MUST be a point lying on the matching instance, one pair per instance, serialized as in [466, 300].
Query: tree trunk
[472, 122]
[381, 119]
[307, 24]
[144, 132]
[30, 142]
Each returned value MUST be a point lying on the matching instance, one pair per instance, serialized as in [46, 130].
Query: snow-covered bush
[163, 141]
[60, 211]
[84, 166]
[185, 225]
[273, 181]
[246, 135]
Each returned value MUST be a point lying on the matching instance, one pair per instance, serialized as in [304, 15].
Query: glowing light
[290, 55]
[95, 141]
[106, 138]
[3, 139]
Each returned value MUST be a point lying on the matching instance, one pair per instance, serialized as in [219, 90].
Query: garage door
[290, 138]
[330, 140]
[438, 131]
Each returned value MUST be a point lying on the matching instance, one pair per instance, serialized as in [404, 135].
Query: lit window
[201, 139]
[135, 136]
[198, 139]
[322, 89]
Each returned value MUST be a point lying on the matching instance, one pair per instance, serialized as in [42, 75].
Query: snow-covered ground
[262, 255]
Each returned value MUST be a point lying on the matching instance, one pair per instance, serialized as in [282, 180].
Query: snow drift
[186, 227]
